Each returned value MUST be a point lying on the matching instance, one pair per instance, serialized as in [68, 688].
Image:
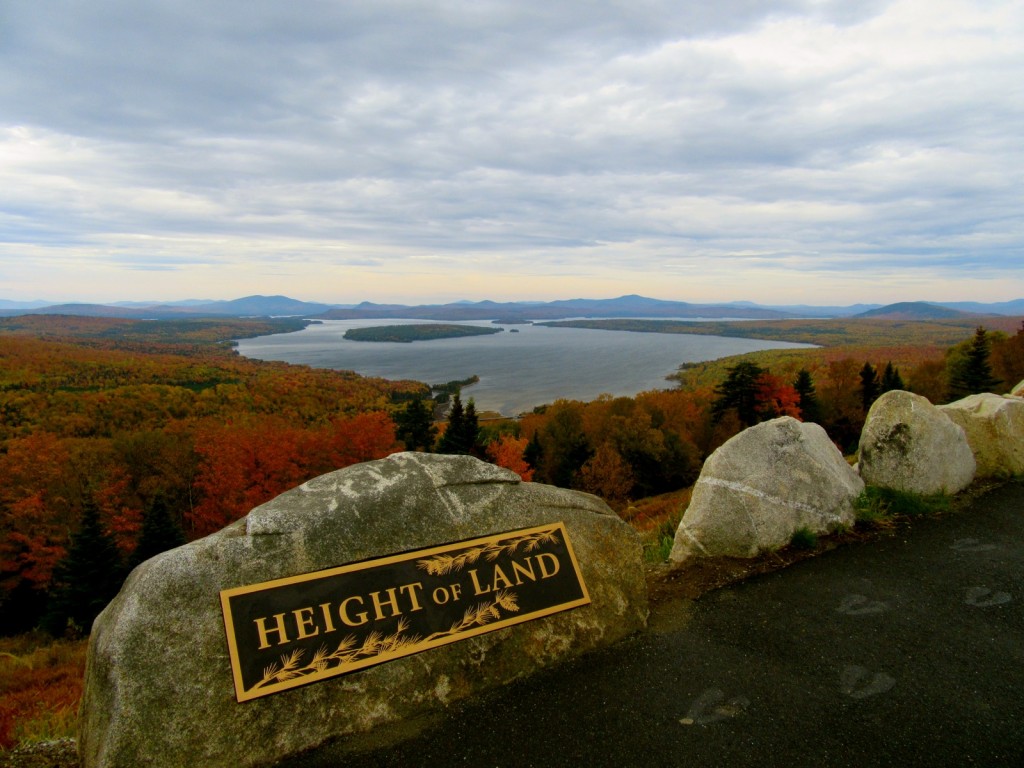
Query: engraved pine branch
[443, 564]
[481, 614]
[349, 650]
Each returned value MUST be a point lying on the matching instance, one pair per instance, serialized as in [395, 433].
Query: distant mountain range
[917, 310]
[509, 312]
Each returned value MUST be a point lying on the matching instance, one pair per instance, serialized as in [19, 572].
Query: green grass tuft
[658, 542]
[658, 550]
[879, 507]
[804, 538]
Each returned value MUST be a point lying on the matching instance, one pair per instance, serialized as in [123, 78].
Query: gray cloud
[607, 141]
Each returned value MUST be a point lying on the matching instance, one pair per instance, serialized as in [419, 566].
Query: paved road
[907, 651]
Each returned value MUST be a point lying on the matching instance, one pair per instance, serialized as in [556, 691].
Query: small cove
[518, 370]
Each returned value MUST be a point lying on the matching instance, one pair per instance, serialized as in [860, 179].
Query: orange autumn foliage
[507, 451]
[243, 465]
[118, 412]
[776, 397]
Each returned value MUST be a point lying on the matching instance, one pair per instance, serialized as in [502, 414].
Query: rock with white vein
[762, 486]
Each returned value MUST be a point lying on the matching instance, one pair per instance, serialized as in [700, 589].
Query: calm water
[517, 371]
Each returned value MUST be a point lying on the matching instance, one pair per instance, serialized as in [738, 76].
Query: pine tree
[415, 426]
[534, 453]
[159, 533]
[868, 386]
[891, 379]
[739, 391]
[461, 421]
[974, 374]
[88, 577]
[810, 409]
[471, 430]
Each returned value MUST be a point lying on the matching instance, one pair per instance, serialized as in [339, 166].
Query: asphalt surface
[905, 651]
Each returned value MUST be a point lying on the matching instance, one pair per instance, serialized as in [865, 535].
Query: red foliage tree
[507, 451]
[240, 467]
[775, 397]
[244, 465]
[35, 500]
[363, 437]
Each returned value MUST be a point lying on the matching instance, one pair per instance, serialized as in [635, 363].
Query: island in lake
[424, 332]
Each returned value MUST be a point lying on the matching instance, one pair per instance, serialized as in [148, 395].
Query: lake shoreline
[518, 372]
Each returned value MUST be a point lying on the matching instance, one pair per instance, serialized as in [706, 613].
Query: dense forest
[406, 334]
[134, 420]
[121, 438]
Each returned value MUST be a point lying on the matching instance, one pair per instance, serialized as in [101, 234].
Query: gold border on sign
[401, 650]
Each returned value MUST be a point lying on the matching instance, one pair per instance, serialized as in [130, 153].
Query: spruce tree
[868, 385]
[454, 434]
[534, 452]
[891, 379]
[470, 429]
[415, 426]
[86, 579]
[974, 374]
[810, 410]
[160, 532]
[739, 392]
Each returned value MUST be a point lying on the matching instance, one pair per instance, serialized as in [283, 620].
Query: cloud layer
[807, 151]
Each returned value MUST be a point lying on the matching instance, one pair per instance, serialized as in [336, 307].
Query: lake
[518, 370]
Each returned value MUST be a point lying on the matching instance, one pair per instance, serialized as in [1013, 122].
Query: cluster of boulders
[782, 476]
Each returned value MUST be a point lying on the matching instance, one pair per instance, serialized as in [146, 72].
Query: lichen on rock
[159, 687]
[910, 445]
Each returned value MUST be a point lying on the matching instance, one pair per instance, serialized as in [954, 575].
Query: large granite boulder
[994, 427]
[159, 688]
[762, 486]
[908, 444]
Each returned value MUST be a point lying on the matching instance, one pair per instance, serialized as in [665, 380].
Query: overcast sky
[783, 151]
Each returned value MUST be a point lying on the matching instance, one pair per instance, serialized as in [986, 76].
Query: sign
[307, 628]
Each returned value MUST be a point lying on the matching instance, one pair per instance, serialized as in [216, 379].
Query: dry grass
[651, 513]
[40, 688]
[656, 519]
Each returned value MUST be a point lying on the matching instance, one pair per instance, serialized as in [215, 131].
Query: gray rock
[762, 486]
[908, 444]
[994, 426]
[158, 688]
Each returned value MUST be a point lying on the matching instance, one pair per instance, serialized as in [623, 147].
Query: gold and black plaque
[303, 629]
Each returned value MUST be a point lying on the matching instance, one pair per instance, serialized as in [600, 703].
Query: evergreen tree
[463, 429]
[88, 577]
[449, 442]
[160, 532]
[738, 391]
[415, 426]
[974, 373]
[891, 379]
[868, 386]
[534, 452]
[471, 430]
[810, 409]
